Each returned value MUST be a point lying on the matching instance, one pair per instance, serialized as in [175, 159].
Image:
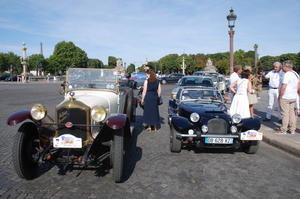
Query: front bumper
[181, 135]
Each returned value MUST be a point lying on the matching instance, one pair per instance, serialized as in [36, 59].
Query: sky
[140, 30]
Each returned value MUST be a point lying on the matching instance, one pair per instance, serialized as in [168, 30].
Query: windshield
[196, 81]
[200, 94]
[79, 78]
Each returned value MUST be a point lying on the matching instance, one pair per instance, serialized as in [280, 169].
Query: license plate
[67, 141]
[251, 135]
[218, 140]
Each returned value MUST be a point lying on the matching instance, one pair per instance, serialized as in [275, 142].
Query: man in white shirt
[237, 70]
[287, 98]
[275, 78]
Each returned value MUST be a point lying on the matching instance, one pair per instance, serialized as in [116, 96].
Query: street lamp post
[231, 17]
[255, 58]
[183, 67]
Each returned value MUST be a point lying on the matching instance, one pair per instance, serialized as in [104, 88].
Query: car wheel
[251, 147]
[24, 147]
[118, 155]
[128, 108]
[163, 81]
[175, 144]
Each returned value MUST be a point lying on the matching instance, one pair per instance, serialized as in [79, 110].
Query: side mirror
[62, 88]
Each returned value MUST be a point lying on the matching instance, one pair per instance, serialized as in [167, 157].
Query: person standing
[252, 97]
[151, 92]
[287, 98]
[240, 102]
[233, 78]
[275, 78]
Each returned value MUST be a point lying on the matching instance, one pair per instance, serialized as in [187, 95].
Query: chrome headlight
[98, 113]
[38, 111]
[194, 117]
[204, 129]
[233, 129]
[236, 118]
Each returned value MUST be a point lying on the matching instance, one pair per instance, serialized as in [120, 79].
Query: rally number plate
[251, 135]
[67, 141]
[218, 140]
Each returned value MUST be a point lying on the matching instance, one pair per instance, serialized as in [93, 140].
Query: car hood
[106, 99]
[203, 107]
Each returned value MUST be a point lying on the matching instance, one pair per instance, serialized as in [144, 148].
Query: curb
[286, 146]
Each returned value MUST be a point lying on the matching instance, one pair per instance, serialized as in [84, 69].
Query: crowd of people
[284, 91]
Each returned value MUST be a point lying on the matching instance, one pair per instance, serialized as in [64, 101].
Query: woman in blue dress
[151, 92]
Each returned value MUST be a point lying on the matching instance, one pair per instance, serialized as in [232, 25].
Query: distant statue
[210, 66]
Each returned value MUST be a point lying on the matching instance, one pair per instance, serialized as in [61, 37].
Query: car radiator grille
[217, 126]
[77, 117]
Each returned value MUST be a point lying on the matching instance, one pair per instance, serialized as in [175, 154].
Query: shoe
[292, 132]
[280, 132]
[266, 120]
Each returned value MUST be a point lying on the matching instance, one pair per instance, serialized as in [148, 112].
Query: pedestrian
[150, 97]
[147, 67]
[233, 78]
[252, 97]
[240, 102]
[287, 98]
[275, 78]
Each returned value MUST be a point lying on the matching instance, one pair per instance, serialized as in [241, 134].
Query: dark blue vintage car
[199, 116]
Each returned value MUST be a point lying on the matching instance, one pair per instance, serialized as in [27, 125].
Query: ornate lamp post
[24, 62]
[183, 67]
[255, 58]
[231, 17]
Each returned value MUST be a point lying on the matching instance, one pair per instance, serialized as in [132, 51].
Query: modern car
[172, 78]
[12, 78]
[217, 79]
[91, 125]
[4, 76]
[199, 117]
[192, 81]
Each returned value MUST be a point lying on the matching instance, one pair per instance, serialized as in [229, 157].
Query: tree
[266, 62]
[199, 61]
[66, 55]
[94, 63]
[8, 60]
[131, 68]
[36, 61]
[169, 64]
[112, 62]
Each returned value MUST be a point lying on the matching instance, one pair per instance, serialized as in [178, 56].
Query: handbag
[159, 101]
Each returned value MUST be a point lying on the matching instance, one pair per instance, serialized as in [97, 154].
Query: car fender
[116, 122]
[18, 117]
[250, 124]
[181, 124]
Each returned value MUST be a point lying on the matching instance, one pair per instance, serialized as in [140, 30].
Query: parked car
[12, 78]
[4, 76]
[217, 79]
[192, 81]
[172, 78]
[199, 117]
[90, 125]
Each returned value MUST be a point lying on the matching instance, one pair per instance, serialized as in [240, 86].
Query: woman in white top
[240, 102]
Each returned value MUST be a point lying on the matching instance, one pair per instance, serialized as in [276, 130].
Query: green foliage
[36, 60]
[94, 63]
[266, 62]
[8, 60]
[112, 62]
[131, 68]
[168, 63]
[66, 55]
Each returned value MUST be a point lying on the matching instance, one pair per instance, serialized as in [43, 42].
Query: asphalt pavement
[152, 171]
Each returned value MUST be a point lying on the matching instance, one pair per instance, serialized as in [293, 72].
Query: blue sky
[136, 30]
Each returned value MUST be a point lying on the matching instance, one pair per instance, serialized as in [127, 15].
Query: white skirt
[240, 105]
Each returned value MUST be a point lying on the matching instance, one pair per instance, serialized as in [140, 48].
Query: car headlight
[38, 111]
[233, 129]
[236, 118]
[194, 117]
[98, 113]
[204, 129]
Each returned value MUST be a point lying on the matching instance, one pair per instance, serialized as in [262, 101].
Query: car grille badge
[68, 124]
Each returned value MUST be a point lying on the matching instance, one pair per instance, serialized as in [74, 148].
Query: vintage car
[90, 125]
[172, 78]
[199, 117]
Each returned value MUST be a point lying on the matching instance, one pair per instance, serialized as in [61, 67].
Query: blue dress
[151, 111]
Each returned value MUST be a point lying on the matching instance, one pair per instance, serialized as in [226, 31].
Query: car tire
[118, 155]
[251, 147]
[175, 144]
[23, 149]
[128, 108]
[163, 81]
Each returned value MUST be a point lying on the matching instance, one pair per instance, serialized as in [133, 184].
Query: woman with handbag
[150, 100]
